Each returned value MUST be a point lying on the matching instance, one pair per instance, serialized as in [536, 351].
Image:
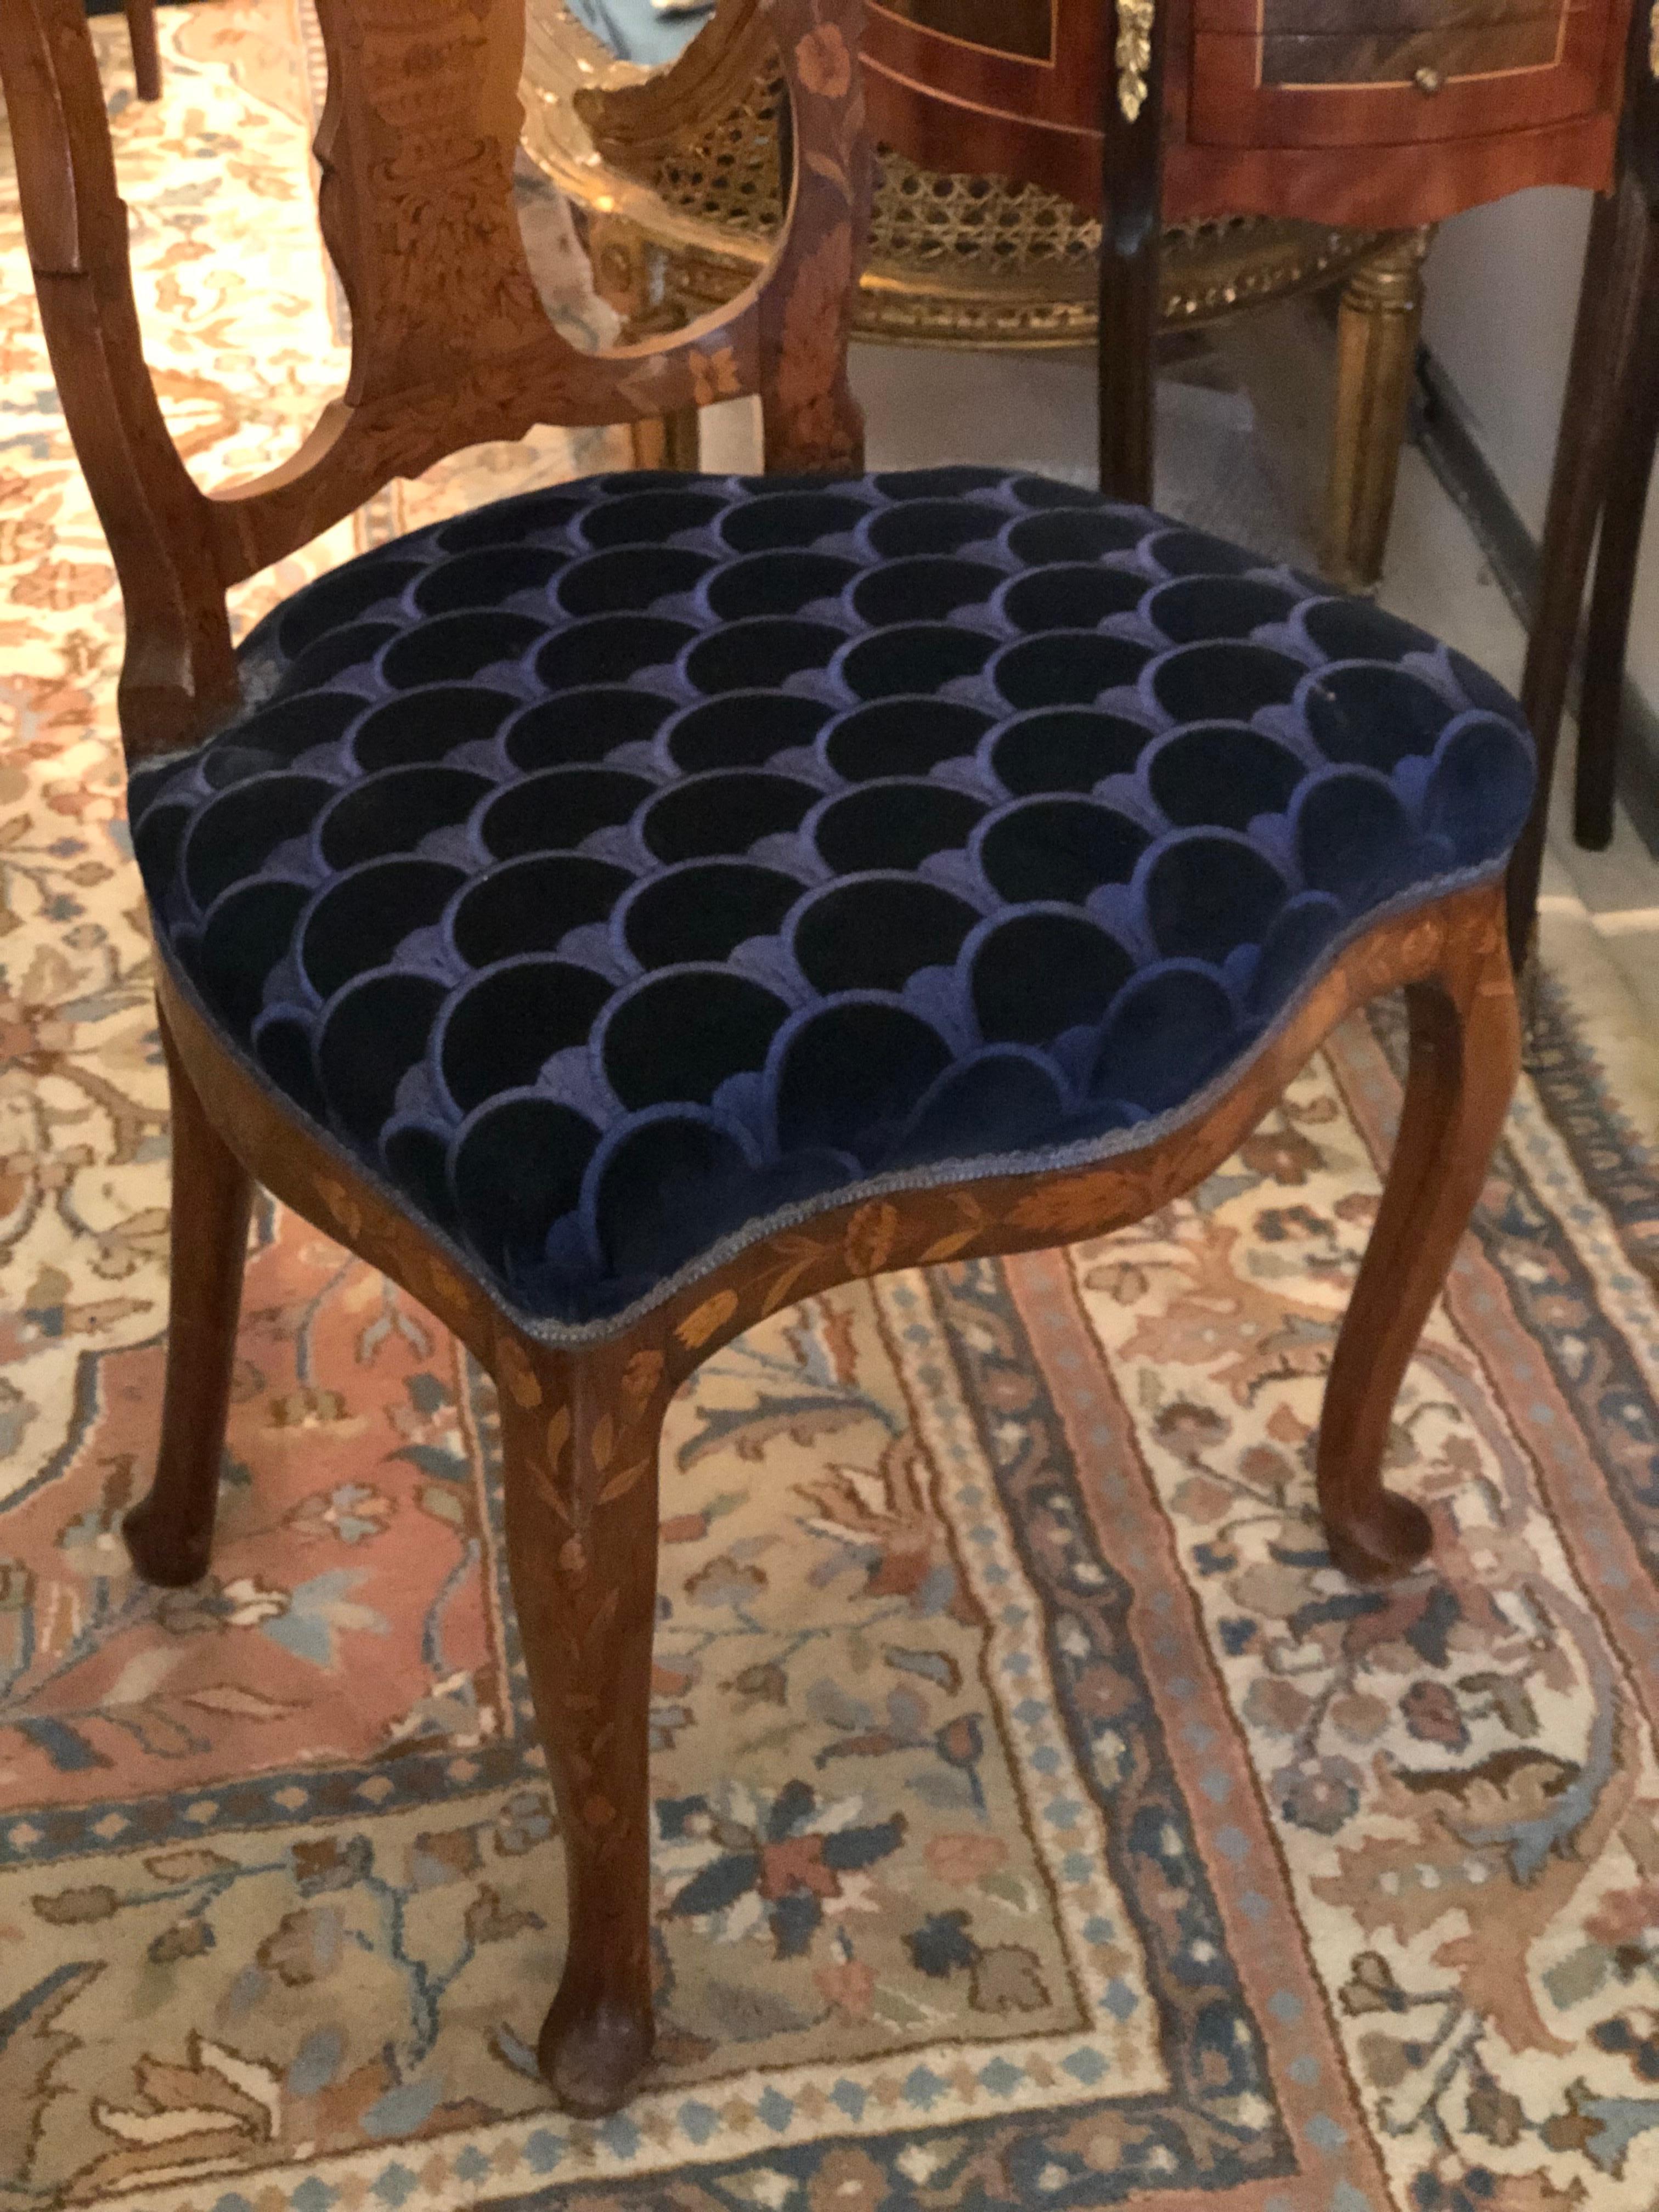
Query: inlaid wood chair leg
[1601, 344]
[1465, 1055]
[579, 1438]
[1377, 326]
[1607, 631]
[169, 1533]
[146, 51]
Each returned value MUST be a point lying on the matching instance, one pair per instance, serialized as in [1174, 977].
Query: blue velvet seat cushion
[628, 863]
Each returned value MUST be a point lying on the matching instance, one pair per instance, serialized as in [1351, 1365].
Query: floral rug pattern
[1041, 1820]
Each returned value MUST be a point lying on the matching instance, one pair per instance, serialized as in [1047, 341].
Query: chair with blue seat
[642, 903]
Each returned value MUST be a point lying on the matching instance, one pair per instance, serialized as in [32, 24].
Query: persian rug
[1040, 1819]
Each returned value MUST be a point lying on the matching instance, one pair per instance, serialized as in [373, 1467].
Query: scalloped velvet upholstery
[627, 864]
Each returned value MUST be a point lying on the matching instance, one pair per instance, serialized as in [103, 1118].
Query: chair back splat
[450, 343]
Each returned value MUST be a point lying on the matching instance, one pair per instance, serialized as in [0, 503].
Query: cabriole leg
[169, 1533]
[579, 1436]
[1465, 1055]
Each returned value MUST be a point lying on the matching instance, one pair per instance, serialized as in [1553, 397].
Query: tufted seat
[626, 865]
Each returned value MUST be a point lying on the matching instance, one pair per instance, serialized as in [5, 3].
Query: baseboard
[1443, 430]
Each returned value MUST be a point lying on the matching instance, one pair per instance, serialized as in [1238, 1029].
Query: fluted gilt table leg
[1377, 326]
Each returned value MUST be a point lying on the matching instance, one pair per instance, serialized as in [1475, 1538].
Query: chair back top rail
[450, 343]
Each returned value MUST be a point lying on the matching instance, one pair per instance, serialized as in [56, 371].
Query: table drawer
[1407, 70]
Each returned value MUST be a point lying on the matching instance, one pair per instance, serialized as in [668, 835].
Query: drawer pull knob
[1428, 79]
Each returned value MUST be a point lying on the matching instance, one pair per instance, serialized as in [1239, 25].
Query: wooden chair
[644, 903]
[1598, 486]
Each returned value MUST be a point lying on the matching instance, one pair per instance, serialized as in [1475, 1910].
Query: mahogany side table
[1380, 113]
[675, 172]
[1375, 111]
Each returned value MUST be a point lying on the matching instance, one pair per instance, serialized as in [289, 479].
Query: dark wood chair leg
[1465, 1055]
[579, 1438]
[1601, 344]
[1607, 631]
[146, 52]
[169, 1533]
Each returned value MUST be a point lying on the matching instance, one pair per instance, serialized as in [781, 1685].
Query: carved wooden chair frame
[451, 345]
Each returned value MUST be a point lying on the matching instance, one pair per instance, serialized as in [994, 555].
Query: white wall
[1503, 290]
